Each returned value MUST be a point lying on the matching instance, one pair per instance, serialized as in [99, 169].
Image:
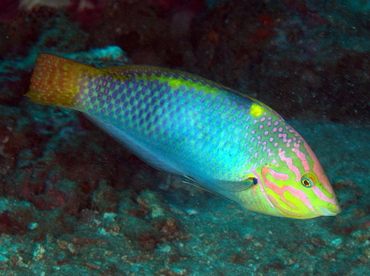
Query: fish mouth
[330, 211]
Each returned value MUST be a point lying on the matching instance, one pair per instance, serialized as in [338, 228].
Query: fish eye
[307, 181]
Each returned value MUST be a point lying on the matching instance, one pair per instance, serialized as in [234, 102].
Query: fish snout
[330, 210]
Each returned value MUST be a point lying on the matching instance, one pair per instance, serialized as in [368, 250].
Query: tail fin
[57, 81]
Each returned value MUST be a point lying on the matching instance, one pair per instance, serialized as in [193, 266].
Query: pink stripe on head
[266, 196]
[322, 196]
[303, 158]
[318, 170]
[289, 163]
[286, 188]
[276, 175]
[301, 195]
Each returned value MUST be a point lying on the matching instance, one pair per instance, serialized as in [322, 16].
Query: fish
[217, 138]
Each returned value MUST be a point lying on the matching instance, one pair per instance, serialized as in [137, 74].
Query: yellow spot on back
[256, 110]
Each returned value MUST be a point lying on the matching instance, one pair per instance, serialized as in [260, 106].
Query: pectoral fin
[216, 185]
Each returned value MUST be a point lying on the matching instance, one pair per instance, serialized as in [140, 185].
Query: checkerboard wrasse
[223, 141]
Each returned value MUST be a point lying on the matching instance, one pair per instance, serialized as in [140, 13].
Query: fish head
[297, 194]
[289, 180]
[292, 183]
